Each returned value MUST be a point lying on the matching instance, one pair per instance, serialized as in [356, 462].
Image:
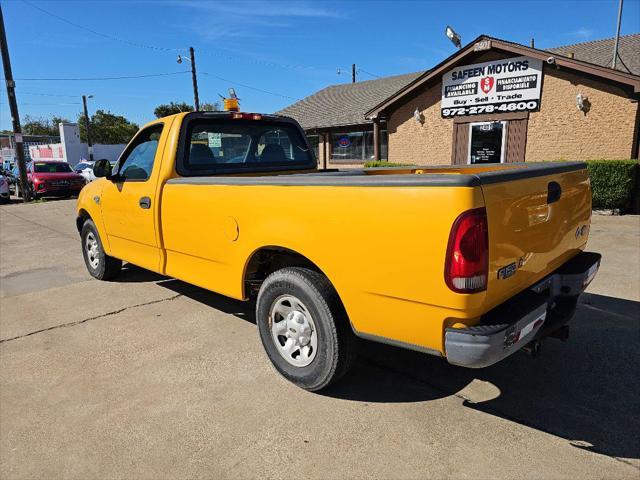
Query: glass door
[486, 142]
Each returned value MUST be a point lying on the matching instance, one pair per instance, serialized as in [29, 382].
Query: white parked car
[86, 170]
[4, 189]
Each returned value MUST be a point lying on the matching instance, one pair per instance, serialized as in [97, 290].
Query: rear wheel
[304, 328]
[99, 264]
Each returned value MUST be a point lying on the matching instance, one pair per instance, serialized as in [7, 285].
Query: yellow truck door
[129, 200]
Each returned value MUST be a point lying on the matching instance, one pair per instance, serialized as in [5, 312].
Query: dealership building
[492, 101]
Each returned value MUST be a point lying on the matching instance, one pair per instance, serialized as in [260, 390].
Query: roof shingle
[345, 104]
[600, 52]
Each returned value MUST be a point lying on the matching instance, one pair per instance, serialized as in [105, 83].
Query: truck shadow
[584, 390]
[133, 274]
[242, 310]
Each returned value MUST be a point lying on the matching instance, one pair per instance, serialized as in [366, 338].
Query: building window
[486, 142]
[314, 141]
[356, 147]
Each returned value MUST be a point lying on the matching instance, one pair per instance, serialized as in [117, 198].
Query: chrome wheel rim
[91, 247]
[293, 331]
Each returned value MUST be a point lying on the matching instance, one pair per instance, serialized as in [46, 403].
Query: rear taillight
[467, 262]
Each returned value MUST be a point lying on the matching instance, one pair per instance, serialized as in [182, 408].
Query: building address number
[492, 108]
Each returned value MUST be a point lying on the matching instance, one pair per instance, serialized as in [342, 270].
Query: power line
[44, 104]
[166, 49]
[369, 73]
[104, 35]
[46, 94]
[104, 78]
[290, 66]
[233, 82]
[205, 51]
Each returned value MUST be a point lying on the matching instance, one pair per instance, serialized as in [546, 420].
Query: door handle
[554, 192]
[145, 202]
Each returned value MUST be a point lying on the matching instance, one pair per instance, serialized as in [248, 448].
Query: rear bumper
[530, 315]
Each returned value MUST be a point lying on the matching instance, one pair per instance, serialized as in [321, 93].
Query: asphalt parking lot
[147, 377]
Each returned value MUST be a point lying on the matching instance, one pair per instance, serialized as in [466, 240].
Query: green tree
[107, 128]
[177, 107]
[171, 108]
[211, 107]
[42, 126]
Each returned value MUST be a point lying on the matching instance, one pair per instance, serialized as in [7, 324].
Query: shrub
[384, 163]
[612, 183]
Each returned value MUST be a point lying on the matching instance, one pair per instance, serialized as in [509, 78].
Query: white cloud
[582, 33]
[253, 8]
[249, 18]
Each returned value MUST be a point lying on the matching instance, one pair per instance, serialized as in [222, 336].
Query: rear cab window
[219, 143]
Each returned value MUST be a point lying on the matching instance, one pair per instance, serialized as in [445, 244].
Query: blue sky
[287, 48]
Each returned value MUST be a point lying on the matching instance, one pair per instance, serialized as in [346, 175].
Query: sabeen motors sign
[507, 85]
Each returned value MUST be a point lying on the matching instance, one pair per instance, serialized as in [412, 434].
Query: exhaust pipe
[533, 349]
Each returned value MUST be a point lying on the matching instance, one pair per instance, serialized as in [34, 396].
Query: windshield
[41, 167]
[215, 143]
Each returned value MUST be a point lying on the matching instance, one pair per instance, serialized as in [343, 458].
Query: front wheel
[304, 328]
[99, 264]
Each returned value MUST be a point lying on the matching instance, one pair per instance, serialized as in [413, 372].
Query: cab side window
[137, 162]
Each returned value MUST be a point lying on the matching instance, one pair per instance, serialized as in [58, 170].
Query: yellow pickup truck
[468, 262]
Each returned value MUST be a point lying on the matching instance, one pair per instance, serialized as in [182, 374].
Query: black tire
[336, 343]
[107, 267]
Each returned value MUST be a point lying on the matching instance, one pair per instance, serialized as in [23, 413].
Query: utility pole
[86, 126]
[615, 46]
[353, 73]
[196, 100]
[13, 107]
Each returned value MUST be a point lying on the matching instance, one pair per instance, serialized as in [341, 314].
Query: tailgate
[535, 225]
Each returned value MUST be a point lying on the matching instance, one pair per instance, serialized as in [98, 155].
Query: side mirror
[102, 168]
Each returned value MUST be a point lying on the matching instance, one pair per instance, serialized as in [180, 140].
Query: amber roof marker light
[232, 102]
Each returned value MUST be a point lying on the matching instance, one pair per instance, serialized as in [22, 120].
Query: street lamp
[192, 61]
[86, 125]
[453, 36]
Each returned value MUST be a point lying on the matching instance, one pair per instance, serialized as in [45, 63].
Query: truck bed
[431, 176]
[380, 235]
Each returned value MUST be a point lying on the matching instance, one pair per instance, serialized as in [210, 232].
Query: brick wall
[426, 143]
[559, 131]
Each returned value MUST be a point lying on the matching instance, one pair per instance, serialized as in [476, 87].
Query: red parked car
[53, 179]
